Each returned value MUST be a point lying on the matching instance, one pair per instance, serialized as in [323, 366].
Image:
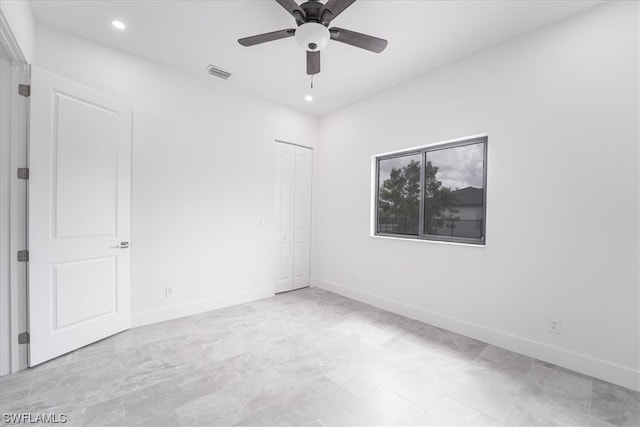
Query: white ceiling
[422, 35]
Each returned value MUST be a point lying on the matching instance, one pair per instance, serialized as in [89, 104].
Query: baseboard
[176, 311]
[581, 363]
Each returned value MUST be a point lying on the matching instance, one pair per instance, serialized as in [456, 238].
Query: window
[433, 193]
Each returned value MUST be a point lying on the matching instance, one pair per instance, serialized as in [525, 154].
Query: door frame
[18, 196]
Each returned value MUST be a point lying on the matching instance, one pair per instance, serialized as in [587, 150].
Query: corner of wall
[19, 18]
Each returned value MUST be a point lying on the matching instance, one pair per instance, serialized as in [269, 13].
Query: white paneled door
[79, 216]
[285, 173]
[293, 203]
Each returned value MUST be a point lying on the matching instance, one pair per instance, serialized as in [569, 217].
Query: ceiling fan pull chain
[311, 81]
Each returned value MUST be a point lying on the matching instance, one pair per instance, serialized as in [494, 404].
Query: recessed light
[308, 98]
[118, 24]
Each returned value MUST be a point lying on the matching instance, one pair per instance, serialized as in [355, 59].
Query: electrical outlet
[554, 326]
[168, 292]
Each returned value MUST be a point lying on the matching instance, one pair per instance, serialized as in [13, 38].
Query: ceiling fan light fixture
[312, 36]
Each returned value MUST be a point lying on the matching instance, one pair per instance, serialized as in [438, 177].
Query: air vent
[215, 71]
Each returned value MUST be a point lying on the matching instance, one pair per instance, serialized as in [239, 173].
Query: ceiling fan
[313, 19]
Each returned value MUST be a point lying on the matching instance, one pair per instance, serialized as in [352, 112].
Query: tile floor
[312, 358]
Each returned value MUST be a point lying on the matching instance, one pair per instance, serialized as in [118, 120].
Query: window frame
[422, 151]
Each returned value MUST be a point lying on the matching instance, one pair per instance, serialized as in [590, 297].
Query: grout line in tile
[469, 406]
[406, 400]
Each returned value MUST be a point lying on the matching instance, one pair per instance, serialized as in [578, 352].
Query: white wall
[202, 177]
[560, 106]
[19, 18]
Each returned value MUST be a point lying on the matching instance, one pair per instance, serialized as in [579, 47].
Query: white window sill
[439, 242]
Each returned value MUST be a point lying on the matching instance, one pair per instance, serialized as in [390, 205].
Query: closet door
[293, 211]
[285, 174]
[302, 217]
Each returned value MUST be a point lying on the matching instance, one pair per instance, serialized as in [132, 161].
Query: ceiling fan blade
[333, 8]
[267, 37]
[296, 11]
[313, 62]
[363, 41]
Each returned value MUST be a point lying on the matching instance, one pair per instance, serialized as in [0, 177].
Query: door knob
[122, 245]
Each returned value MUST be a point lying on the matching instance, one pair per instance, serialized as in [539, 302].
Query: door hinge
[23, 173]
[23, 338]
[23, 256]
[24, 90]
